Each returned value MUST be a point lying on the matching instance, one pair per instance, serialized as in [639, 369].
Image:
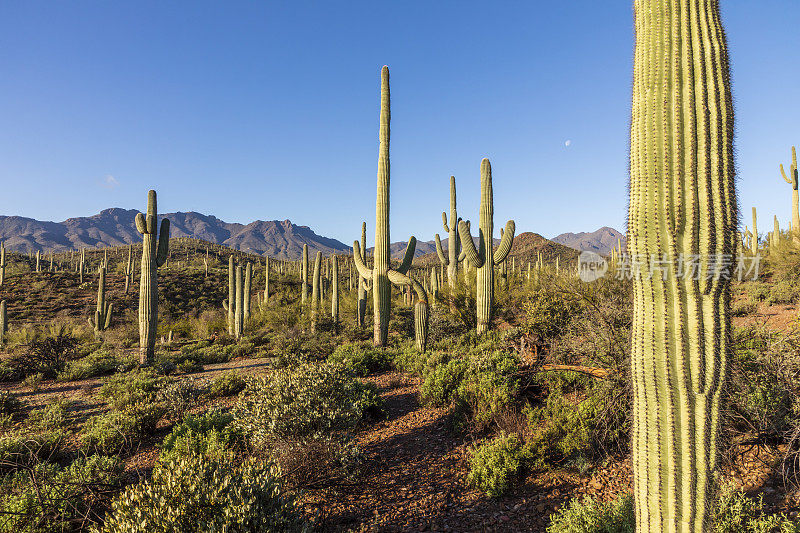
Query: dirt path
[415, 478]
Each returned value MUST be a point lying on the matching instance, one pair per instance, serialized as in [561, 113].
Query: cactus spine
[154, 254]
[483, 259]
[682, 204]
[102, 315]
[380, 272]
[454, 253]
[791, 179]
[304, 283]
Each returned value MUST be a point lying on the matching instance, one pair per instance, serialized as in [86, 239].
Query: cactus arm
[462, 255]
[468, 245]
[505, 243]
[785, 177]
[409, 257]
[108, 316]
[444, 222]
[141, 223]
[442, 258]
[363, 271]
[400, 279]
[163, 243]
[225, 304]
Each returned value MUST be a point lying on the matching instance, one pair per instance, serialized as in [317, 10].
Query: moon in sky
[567, 142]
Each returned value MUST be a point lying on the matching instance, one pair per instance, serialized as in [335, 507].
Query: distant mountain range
[600, 241]
[116, 227]
[279, 239]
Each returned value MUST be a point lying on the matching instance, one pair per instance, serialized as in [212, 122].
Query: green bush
[98, 363]
[736, 513]
[592, 516]
[118, 430]
[360, 359]
[202, 494]
[210, 434]
[180, 395]
[489, 386]
[53, 416]
[495, 465]
[10, 405]
[548, 313]
[22, 446]
[227, 384]
[442, 381]
[783, 292]
[305, 401]
[51, 499]
[132, 388]
[758, 291]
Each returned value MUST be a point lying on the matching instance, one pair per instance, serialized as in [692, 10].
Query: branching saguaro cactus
[682, 204]
[155, 246]
[483, 258]
[129, 268]
[380, 272]
[102, 316]
[454, 253]
[248, 281]
[791, 179]
[361, 309]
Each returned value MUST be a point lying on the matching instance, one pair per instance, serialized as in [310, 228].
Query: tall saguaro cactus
[230, 304]
[102, 315]
[361, 309]
[484, 258]
[129, 268]
[304, 275]
[3, 322]
[682, 204]
[335, 292]
[454, 253]
[2, 263]
[316, 291]
[380, 273]
[155, 246]
[791, 179]
[754, 239]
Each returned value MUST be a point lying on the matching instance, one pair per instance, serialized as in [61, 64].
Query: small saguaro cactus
[380, 273]
[81, 265]
[791, 179]
[454, 253]
[102, 315]
[3, 322]
[335, 292]
[38, 255]
[266, 281]
[238, 305]
[434, 286]
[2, 263]
[682, 204]
[483, 258]
[155, 246]
[129, 268]
[754, 238]
[248, 280]
[361, 309]
[316, 293]
[304, 275]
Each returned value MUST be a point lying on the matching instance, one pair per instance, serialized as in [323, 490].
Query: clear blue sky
[267, 110]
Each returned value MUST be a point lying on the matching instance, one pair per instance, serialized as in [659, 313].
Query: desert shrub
[757, 291]
[10, 405]
[360, 359]
[443, 381]
[489, 386]
[53, 416]
[593, 516]
[48, 355]
[548, 313]
[308, 400]
[227, 384]
[736, 513]
[783, 292]
[203, 494]
[496, 464]
[180, 395]
[22, 447]
[97, 363]
[118, 430]
[49, 498]
[744, 308]
[135, 387]
[209, 434]
[189, 367]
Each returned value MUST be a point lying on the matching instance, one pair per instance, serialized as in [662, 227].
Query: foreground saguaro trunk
[155, 246]
[380, 272]
[682, 205]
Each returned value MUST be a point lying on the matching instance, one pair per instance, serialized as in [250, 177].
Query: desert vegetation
[488, 386]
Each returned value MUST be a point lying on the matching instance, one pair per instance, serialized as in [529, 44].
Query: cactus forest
[464, 379]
